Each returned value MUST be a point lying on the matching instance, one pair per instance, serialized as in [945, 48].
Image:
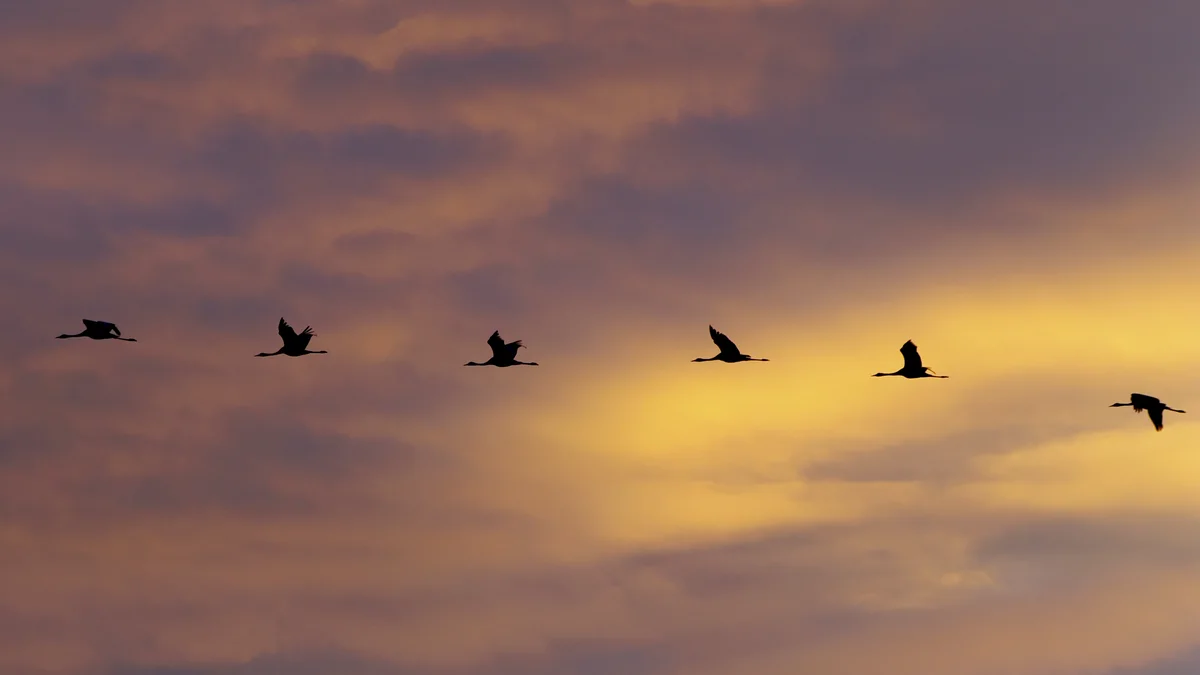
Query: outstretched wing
[497, 345]
[723, 342]
[286, 332]
[102, 326]
[304, 336]
[1156, 417]
[510, 349]
[1143, 402]
[912, 360]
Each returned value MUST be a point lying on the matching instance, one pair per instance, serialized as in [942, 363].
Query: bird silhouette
[729, 351]
[503, 355]
[912, 365]
[293, 344]
[1151, 405]
[98, 330]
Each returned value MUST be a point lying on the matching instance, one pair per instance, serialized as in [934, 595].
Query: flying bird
[293, 344]
[98, 330]
[912, 365]
[729, 351]
[1151, 405]
[503, 355]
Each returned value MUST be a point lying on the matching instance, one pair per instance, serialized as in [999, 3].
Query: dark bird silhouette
[293, 344]
[729, 351]
[912, 365]
[98, 330]
[1151, 405]
[503, 355]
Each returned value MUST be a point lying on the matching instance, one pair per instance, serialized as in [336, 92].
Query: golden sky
[1011, 185]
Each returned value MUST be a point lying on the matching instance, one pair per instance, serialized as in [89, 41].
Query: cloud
[1010, 186]
[1181, 664]
[581, 658]
[963, 106]
[806, 597]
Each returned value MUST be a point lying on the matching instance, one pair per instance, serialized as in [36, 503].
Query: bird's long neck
[276, 353]
[1167, 407]
[897, 373]
[1118, 405]
[65, 336]
[701, 359]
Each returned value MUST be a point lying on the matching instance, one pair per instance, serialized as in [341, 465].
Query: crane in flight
[729, 351]
[98, 330]
[1151, 405]
[293, 344]
[503, 355]
[912, 365]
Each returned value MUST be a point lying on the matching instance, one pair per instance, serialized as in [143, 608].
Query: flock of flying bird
[504, 354]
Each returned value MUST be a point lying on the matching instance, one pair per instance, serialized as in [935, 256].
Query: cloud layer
[1010, 185]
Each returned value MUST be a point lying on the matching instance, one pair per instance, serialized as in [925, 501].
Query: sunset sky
[1011, 184]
